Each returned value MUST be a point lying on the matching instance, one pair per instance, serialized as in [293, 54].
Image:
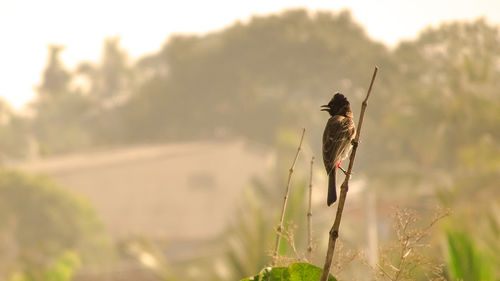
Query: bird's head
[338, 105]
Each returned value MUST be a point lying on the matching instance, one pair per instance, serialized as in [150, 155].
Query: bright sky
[28, 26]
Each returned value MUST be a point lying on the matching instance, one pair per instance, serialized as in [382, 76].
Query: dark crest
[336, 105]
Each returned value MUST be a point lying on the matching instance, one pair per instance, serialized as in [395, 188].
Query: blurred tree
[434, 122]
[60, 122]
[444, 130]
[275, 68]
[279, 68]
[41, 223]
[55, 77]
[62, 269]
[450, 92]
[13, 134]
[109, 82]
[106, 85]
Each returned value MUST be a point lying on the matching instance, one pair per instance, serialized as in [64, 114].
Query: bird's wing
[336, 138]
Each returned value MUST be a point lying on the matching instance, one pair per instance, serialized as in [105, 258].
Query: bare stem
[309, 216]
[334, 231]
[384, 272]
[291, 240]
[409, 239]
[279, 230]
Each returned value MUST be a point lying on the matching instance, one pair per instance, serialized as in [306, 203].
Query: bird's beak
[326, 107]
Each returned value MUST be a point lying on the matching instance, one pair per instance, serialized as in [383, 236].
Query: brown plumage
[337, 138]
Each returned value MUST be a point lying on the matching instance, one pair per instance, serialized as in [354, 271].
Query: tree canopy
[42, 223]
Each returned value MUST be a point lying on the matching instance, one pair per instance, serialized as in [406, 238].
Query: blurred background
[152, 141]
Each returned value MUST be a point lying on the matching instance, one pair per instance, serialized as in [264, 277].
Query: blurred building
[179, 193]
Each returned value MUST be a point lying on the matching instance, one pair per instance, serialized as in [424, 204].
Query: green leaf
[465, 260]
[295, 272]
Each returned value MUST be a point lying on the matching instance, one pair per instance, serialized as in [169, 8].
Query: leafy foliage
[60, 110]
[14, 139]
[465, 260]
[253, 229]
[41, 235]
[294, 272]
[62, 270]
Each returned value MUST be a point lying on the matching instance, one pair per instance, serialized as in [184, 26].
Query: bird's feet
[354, 143]
[343, 170]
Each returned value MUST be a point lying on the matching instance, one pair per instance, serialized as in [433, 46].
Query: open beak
[326, 107]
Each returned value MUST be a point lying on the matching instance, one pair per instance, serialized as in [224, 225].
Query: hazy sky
[28, 26]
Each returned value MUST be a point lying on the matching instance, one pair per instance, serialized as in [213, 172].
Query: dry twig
[309, 217]
[279, 230]
[334, 231]
[408, 249]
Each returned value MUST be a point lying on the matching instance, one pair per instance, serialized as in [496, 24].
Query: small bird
[337, 139]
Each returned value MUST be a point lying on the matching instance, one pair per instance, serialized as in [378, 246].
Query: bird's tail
[332, 189]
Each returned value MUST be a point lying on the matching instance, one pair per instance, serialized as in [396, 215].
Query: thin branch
[334, 231]
[437, 218]
[279, 230]
[291, 240]
[384, 272]
[402, 259]
[309, 216]
[408, 239]
[404, 239]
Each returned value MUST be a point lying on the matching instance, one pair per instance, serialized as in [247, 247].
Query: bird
[337, 139]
